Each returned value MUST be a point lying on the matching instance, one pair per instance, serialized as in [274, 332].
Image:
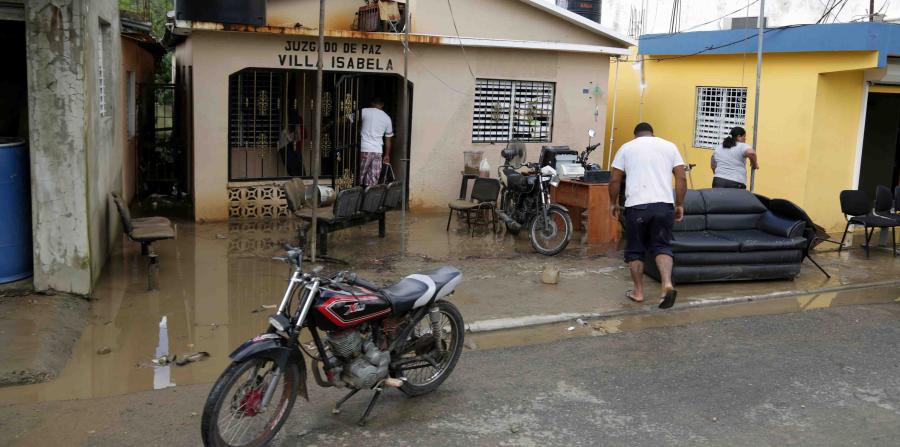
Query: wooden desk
[594, 197]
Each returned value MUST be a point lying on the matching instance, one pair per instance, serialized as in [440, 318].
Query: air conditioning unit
[745, 22]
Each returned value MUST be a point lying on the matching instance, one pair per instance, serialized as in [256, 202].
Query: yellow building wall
[809, 108]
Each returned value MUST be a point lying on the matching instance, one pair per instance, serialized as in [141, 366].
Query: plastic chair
[857, 209]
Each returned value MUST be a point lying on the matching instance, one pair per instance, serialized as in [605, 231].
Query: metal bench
[352, 207]
[146, 231]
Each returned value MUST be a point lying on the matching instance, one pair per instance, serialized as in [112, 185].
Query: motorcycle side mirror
[592, 133]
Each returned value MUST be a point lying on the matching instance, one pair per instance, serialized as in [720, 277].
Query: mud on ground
[37, 334]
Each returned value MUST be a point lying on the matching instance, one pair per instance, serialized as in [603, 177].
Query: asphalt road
[819, 378]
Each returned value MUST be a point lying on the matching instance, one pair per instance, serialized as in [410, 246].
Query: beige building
[516, 69]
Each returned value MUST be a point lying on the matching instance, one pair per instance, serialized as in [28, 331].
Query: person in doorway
[650, 208]
[729, 161]
[376, 135]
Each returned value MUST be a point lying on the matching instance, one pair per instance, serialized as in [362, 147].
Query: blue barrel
[15, 212]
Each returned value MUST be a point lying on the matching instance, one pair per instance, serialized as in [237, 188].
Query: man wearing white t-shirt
[650, 209]
[376, 130]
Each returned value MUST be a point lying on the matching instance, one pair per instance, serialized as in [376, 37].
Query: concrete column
[55, 41]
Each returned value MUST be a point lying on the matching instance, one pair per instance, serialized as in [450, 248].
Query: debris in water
[194, 414]
[581, 322]
[470, 344]
[163, 360]
[550, 274]
[221, 236]
[571, 328]
[104, 350]
[268, 306]
[515, 428]
[191, 357]
[715, 419]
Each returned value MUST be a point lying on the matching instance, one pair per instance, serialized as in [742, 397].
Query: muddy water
[216, 279]
[630, 323]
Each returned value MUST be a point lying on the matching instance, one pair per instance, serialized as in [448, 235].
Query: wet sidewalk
[216, 282]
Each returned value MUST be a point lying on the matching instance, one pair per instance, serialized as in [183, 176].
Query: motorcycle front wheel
[550, 236]
[233, 415]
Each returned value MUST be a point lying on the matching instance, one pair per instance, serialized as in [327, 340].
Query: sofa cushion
[731, 201]
[691, 223]
[732, 221]
[755, 240]
[779, 226]
[693, 203]
[698, 241]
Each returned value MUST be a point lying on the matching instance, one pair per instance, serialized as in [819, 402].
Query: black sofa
[730, 235]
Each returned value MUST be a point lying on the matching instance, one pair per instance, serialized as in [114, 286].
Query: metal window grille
[254, 119]
[718, 110]
[513, 110]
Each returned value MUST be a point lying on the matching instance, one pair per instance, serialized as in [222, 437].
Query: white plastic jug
[484, 169]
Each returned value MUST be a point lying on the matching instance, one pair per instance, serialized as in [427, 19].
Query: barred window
[718, 110]
[513, 110]
[255, 115]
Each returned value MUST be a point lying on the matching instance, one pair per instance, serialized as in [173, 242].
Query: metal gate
[161, 162]
[346, 135]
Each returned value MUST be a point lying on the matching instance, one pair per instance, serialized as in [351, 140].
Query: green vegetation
[154, 11]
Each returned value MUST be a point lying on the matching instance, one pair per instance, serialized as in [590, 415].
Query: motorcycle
[525, 203]
[406, 336]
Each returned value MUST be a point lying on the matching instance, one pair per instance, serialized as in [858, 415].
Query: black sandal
[669, 300]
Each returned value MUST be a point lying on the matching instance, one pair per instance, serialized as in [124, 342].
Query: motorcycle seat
[418, 290]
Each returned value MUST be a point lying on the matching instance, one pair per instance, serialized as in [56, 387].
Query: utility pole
[317, 134]
[871, 10]
[761, 20]
[404, 161]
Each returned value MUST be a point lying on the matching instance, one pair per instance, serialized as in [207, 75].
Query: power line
[716, 47]
[461, 46]
[705, 23]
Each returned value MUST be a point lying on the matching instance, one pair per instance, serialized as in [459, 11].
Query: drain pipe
[317, 138]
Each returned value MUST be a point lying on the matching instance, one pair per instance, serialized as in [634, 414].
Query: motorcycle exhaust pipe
[510, 223]
[392, 382]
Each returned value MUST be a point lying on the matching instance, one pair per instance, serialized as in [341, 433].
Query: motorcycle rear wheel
[248, 381]
[551, 239]
[425, 379]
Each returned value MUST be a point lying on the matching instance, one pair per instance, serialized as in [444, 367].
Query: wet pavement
[216, 280]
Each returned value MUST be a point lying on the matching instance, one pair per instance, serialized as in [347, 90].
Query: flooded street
[218, 282]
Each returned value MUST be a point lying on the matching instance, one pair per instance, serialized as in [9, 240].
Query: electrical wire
[663, 36]
[716, 47]
[461, 46]
[424, 65]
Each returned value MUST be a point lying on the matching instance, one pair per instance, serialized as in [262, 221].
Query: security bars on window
[718, 110]
[513, 110]
[254, 118]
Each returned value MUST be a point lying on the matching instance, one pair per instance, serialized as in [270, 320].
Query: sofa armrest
[776, 225]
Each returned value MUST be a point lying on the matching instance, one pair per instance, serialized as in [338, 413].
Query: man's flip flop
[628, 294]
[669, 300]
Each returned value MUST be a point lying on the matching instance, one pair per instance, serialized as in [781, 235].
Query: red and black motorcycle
[406, 336]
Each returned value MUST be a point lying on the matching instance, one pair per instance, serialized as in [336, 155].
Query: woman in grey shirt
[729, 161]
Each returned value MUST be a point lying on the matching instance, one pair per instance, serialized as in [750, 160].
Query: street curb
[498, 324]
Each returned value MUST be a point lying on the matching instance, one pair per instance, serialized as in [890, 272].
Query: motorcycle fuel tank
[335, 309]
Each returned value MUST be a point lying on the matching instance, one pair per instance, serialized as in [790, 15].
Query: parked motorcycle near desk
[525, 203]
[407, 336]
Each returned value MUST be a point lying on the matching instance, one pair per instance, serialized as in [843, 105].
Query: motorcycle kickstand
[362, 420]
[337, 406]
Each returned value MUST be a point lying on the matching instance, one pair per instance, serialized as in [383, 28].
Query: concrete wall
[443, 104]
[141, 62]
[74, 163]
[495, 19]
[810, 113]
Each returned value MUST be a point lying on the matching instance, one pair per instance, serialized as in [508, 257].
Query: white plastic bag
[484, 169]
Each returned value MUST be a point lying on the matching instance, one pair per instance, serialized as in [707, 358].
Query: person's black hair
[378, 101]
[731, 140]
[643, 127]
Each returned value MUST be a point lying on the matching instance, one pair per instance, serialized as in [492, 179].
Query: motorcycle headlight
[279, 322]
[554, 181]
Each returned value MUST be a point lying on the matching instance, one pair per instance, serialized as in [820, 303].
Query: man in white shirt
[376, 130]
[650, 210]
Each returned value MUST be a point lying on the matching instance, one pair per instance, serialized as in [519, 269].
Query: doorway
[880, 164]
[271, 115]
[13, 81]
